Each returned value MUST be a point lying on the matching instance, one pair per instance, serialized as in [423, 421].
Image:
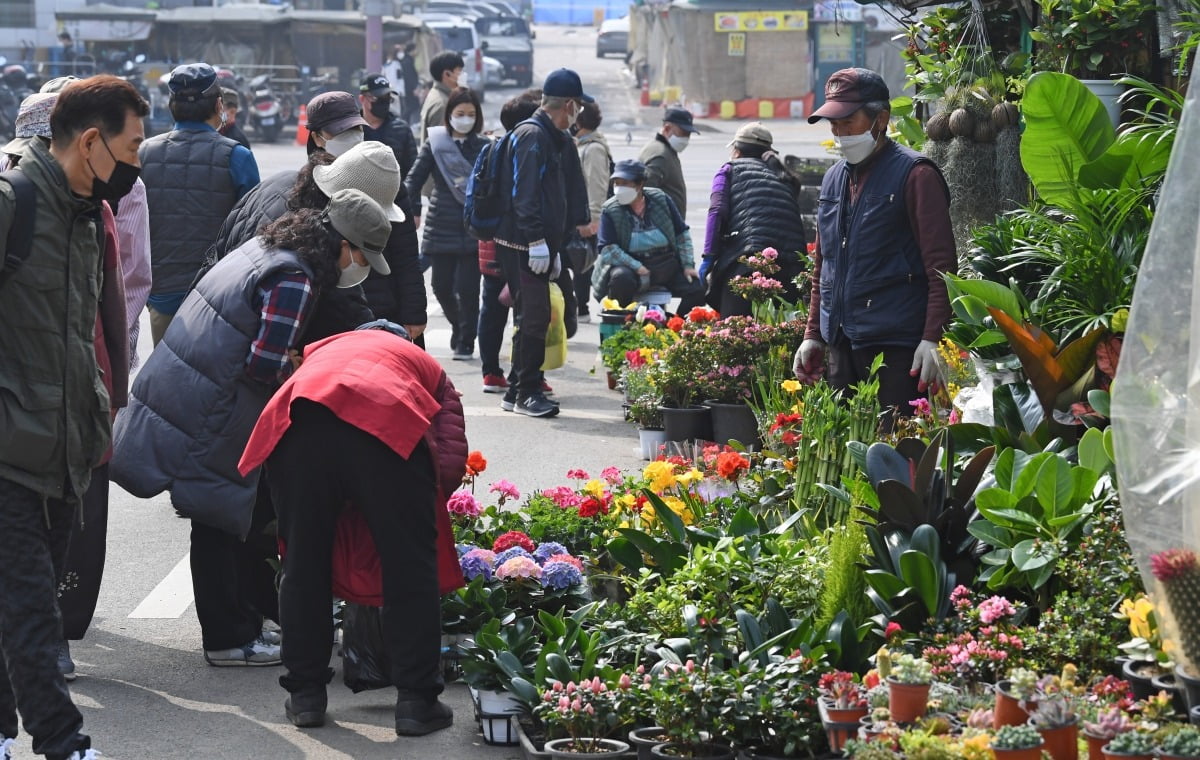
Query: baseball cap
[634, 171]
[847, 90]
[680, 117]
[375, 84]
[192, 82]
[334, 112]
[33, 119]
[564, 83]
[370, 167]
[363, 223]
[753, 133]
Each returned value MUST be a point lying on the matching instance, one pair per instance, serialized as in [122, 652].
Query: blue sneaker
[257, 653]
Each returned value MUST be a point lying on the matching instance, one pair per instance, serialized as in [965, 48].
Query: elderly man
[661, 156]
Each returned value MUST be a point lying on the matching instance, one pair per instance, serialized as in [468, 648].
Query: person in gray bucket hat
[233, 342]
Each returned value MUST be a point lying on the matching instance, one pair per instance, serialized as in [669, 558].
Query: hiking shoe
[257, 653]
[494, 384]
[66, 666]
[417, 717]
[85, 754]
[536, 405]
[306, 709]
[509, 402]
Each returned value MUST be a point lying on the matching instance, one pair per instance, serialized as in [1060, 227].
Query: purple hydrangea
[559, 575]
[509, 553]
[474, 565]
[462, 549]
[547, 550]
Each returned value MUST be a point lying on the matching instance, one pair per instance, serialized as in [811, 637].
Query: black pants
[847, 366]
[233, 580]
[34, 532]
[83, 568]
[493, 318]
[319, 464]
[456, 287]
[624, 285]
[531, 313]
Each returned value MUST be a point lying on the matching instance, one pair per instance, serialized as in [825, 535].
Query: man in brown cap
[883, 242]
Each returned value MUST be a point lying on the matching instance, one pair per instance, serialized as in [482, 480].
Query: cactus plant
[1131, 743]
[1016, 737]
[909, 669]
[1179, 573]
[1183, 743]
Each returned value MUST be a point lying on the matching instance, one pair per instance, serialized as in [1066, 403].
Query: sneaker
[271, 633]
[306, 709]
[536, 405]
[546, 389]
[66, 666]
[509, 402]
[494, 384]
[6, 746]
[417, 717]
[584, 318]
[85, 754]
[461, 356]
[257, 652]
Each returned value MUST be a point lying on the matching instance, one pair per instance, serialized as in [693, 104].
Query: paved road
[144, 688]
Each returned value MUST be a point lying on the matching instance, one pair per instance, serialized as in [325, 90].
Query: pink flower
[573, 561]
[462, 503]
[506, 490]
[611, 475]
[578, 474]
[892, 628]
[994, 608]
[563, 497]
[921, 407]
[520, 567]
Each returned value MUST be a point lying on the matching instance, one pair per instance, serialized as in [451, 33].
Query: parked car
[507, 39]
[493, 71]
[460, 35]
[451, 7]
[613, 37]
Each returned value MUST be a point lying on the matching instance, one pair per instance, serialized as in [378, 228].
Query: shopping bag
[556, 333]
[365, 662]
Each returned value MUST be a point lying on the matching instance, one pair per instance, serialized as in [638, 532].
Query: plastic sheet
[365, 661]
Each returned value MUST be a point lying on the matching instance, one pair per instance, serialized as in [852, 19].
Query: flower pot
[673, 750]
[1140, 675]
[1121, 756]
[1008, 710]
[643, 739]
[651, 441]
[1027, 753]
[1189, 686]
[907, 701]
[1169, 683]
[1062, 742]
[1109, 93]
[611, 322]
[1194, 715]
[611, 379]
[564, 749]
[841, 725]
[688, 423]
[734, 422]
[498, 730]
[498, 703]
[1095, 746]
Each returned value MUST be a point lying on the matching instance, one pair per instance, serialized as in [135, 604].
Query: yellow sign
[761, 21]
[737, 44]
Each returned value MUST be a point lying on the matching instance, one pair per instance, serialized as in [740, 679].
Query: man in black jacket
[549, 198]
[375, 96]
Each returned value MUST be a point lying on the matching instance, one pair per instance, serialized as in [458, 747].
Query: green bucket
[611, 322]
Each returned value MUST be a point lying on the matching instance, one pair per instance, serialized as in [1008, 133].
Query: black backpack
[19, 244]
[488, 188]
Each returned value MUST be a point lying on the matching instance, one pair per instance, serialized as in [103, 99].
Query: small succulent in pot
[1016, 737]
[1131, 743]
[909, 669]
[1022, 683]
[1183, 743]
[1109, 723]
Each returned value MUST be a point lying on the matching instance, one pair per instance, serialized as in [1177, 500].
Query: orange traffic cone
[301, 130]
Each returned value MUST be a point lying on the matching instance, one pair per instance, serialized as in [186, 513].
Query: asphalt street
[144, 688]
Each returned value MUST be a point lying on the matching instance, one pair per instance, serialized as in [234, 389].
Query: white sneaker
[88, 754]
[272, 633]
[257, 652]
[6, 746]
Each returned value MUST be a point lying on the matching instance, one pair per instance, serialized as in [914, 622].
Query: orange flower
[730, 464]
[675, 324]
[476, 463]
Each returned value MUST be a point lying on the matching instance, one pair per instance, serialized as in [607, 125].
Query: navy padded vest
[763, 213]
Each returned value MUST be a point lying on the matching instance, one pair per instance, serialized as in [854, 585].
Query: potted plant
[1055, 719]
[1131, 745]
[1015, 697]
[689, 703]
[644, 407]
[1017, 743]
[843, 704]
[1110, 722]
[1183, 743]
[908, 688]
[586, 713]
[774, 711]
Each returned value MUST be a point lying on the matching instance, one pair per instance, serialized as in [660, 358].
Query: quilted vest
[762, 214]
[873, 284]
[189, 192]
[192, 407]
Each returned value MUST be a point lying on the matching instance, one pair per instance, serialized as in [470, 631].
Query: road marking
[171, 597]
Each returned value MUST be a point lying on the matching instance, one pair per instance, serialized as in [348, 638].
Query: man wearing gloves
[883, 242]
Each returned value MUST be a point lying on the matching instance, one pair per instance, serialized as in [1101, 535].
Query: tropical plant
[1016, 737]
[497, 651]
[466, 609]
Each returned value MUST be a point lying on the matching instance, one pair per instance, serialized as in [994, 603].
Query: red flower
[892, 629]
[1172, 564]
[640, 502]
[475, 463]
[702, 314]
[730, 464]
[675, 324]
[513, 538]
[592, 506]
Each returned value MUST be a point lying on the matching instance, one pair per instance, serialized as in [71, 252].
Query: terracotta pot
[907, 701]
[1095, 745]
[671, 751]
[563, 749]
[841, 725]
[1008, 710]
[1121, 756]
[643, 739]
[1062, 742]
[1029, 753]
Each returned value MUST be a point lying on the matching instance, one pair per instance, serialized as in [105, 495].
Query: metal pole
[374, 10]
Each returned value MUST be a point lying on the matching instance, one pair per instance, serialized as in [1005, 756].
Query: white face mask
[353, 274]
[856, 148]
[678, 143]
[339, 144]
[572, 116]
[224, 117]
[625, 194]
[462, 124]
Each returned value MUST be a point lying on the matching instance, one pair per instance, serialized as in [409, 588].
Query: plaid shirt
[283, 298]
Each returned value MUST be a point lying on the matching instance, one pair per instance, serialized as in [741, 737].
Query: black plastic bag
[365, 662]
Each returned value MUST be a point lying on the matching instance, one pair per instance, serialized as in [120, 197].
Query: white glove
[809, 362]
[925, 366]
[556, 267]
[539, 258]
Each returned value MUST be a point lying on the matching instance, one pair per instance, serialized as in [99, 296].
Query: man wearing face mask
[644, 242]
[55, 408]
[883, 242]
[375, 96]
[233, 343]
[661, 156]
[193, 176]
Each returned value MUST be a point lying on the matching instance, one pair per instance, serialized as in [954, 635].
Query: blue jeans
[493, 318]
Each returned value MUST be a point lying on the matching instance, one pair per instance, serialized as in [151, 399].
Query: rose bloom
[476, 463]
[730, 464]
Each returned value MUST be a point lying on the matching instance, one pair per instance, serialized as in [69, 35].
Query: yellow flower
[791, 386]
[1140, 612]
[798, 408]
[684, 479]
[594, 488]
[646, 353]
[609, 303]
[676, 505]
[660, 474]
[624, 502]
[649, 328]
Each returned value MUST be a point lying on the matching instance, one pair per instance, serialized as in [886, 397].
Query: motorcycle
[265, 115]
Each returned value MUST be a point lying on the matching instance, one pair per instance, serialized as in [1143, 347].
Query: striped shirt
[133, 240]
[283, 298]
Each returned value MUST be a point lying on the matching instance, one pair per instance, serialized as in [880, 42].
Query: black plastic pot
[1189, 686]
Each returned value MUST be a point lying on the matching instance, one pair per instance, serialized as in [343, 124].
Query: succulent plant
[1179, 573]
[1183, 743]
[1016, 737]
[1131, 743]
[1109, 723]
[1022, 683]
[909, 669]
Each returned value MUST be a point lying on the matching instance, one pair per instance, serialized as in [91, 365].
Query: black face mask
[119, 183]
[381, 107]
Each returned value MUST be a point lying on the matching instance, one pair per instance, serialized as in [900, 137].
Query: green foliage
[465, 610]
[845, 585]
[1094, 39]
[1182, 743]
[775, 708]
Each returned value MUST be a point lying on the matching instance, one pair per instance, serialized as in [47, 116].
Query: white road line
[171, 597]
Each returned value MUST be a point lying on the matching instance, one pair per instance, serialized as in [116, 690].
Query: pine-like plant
[1179, 573]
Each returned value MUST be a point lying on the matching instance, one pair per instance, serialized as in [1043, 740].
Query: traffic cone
[301, 130]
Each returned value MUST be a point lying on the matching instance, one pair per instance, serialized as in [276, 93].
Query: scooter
[265, 115]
